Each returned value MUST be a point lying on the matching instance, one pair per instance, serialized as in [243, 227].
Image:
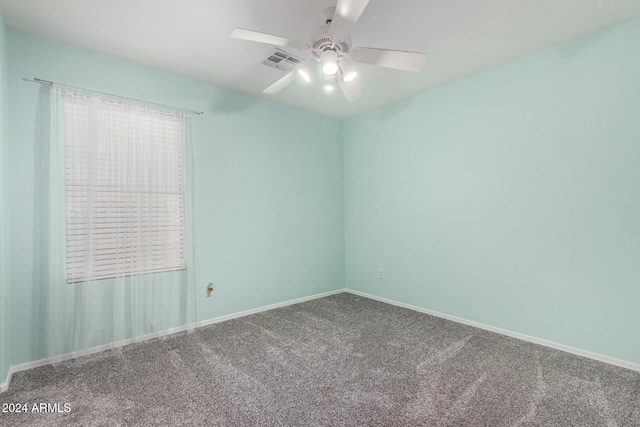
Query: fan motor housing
[320, 42]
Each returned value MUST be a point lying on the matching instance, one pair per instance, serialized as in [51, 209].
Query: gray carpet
[340, 360]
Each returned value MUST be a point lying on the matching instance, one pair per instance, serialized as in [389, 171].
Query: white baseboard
[5, 385]
[551, 344]
[606, 359]
[37, 363]
[268, 307]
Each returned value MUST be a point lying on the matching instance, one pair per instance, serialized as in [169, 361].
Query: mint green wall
[510, 197]
[506, 198]
[269, 207]
[5, 330]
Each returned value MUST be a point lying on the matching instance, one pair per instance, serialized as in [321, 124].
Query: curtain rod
[47, 82]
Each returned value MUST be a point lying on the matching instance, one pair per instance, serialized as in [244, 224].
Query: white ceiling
[191, 38]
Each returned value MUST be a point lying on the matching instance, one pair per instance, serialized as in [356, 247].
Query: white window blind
[124, 184]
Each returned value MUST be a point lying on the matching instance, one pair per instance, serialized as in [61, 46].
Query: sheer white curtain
[120, 238]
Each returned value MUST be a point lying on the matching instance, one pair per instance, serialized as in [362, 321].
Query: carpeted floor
[340, 360]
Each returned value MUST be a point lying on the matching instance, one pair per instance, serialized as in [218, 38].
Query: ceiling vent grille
[282, 60]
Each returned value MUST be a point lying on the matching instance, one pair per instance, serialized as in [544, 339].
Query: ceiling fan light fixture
[348, 72]
[305, 72]
[331, 45]
[329, 62]
[304, 75]
[329, 83]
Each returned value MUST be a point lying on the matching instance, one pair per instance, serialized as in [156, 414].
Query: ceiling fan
[331, 45]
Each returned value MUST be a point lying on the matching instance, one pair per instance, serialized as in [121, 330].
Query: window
[124, 189]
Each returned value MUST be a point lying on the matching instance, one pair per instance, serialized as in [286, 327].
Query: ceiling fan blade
[241, 33]
[345, 17]
[352, 90]
[398, 59]
[282, 83]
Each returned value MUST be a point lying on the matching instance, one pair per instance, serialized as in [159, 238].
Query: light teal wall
[5, 330]
[510, 197]
[506, 198]
[269, 202]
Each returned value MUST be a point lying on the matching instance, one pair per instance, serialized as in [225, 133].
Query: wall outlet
[380, 273]
[209, 289]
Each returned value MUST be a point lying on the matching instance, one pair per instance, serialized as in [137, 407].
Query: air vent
[282, 60]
